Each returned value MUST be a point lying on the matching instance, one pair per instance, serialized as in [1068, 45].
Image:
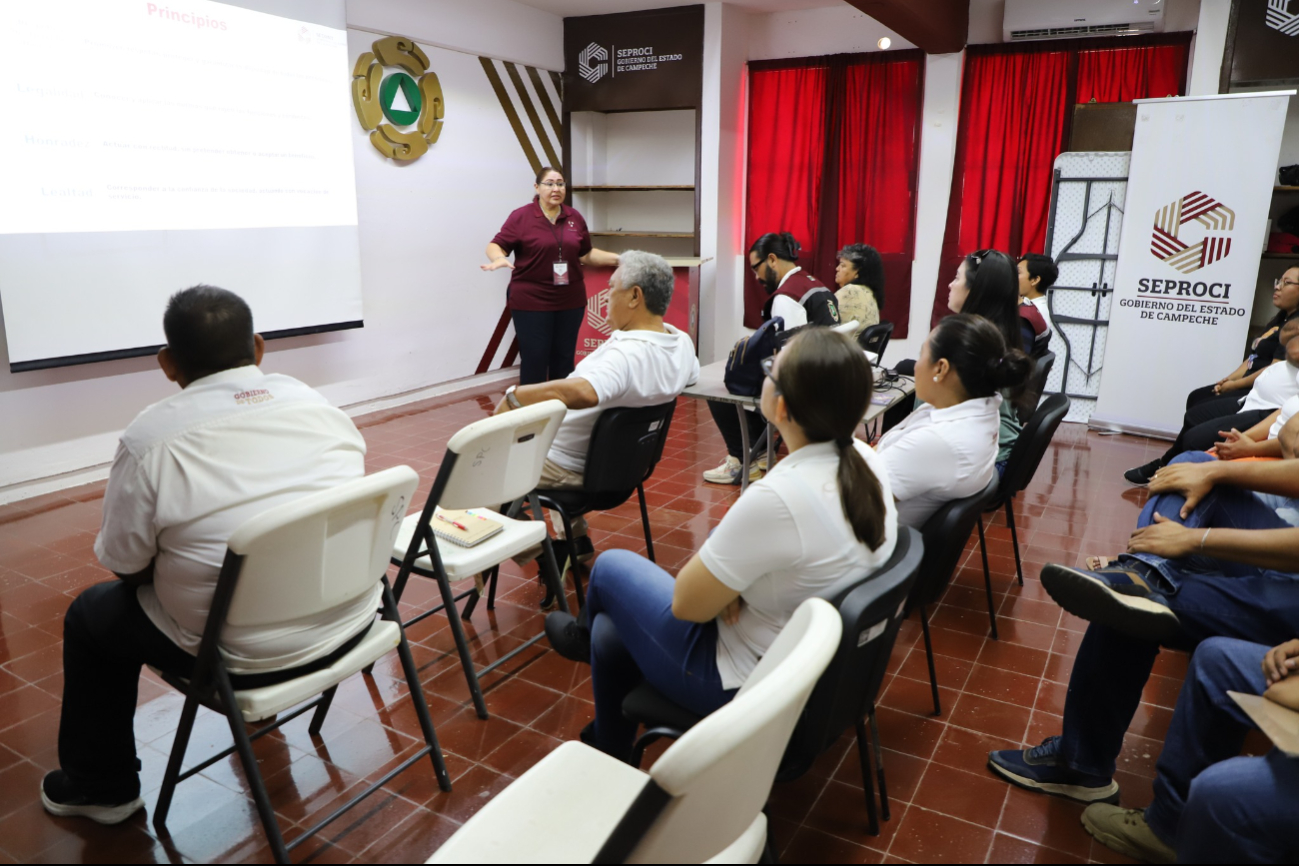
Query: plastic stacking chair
[1021, 466]
[702, 800]
[945, 534]
[876, 338]
[493, 461]
[319, 553]
[1027, 402]
[870, 609]
[625, 446]
[846, 328]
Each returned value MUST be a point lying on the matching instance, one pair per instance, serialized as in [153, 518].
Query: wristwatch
[511, 398]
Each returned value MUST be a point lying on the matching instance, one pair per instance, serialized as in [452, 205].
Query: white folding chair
[490, 463]
[701, 801]
[323, 552]
[847, 328]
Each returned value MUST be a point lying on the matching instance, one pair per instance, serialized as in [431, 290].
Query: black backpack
[743, 366]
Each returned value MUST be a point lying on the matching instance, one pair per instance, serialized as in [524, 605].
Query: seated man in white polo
[188, 471]
[644, 362]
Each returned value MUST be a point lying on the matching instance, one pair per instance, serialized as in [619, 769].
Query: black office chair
[1022, 465]
[871, 607]
[625, 446]
[945, 534]
[1026, 403]
[876, 338]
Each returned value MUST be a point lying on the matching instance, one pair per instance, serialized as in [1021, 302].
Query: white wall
[491, 28]
[1207, 47]
[723, 127]
[838, 29]
[937, 154]
[423, 228]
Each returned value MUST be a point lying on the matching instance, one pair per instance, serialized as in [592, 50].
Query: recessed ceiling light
[884, 42]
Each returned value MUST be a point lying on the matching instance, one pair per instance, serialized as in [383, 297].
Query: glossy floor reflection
[946, 807]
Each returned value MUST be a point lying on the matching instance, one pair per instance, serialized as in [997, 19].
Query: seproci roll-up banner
[1199, 189]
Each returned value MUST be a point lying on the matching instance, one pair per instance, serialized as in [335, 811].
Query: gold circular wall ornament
[367, 80]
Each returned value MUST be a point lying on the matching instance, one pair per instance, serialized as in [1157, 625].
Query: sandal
[1097, 563]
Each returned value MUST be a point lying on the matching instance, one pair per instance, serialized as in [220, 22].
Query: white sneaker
[729, 472]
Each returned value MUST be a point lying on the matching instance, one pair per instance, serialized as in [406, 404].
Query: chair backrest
[626, 445]
[847, 328]
[945, 534]
[316, 553]
[718, 776]
[876, 338]
[1026, 403]
[497, 459]
[1032, 443]
[871, 609]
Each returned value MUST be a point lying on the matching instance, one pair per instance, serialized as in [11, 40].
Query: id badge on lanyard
[560, 267]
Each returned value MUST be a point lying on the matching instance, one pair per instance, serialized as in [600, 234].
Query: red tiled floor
[945, 805]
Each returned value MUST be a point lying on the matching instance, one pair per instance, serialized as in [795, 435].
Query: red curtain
[1016, 105]
[834, 146]
[1124, 74]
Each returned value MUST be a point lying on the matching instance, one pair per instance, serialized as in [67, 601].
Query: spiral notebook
[466, 528]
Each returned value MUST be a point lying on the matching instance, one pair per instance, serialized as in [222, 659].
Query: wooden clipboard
[1280, 724]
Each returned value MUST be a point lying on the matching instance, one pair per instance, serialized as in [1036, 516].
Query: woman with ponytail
[947, 448]
[823, 513]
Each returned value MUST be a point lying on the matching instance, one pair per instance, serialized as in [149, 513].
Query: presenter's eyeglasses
[553, 184]
[1282, 283]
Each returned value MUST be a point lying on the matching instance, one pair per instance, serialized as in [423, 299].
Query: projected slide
[151, 145]
[170, 116]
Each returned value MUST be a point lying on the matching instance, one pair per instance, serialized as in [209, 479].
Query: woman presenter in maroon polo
[547, 295]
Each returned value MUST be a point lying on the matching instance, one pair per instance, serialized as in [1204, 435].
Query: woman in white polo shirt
[947, 449]
[824, 512]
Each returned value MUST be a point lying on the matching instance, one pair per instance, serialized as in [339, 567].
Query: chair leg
[471, 603]
[491, 587]
[929, 656]
[569, 565]
[462, 644]
[548, 563]
[244, 748]
[178, 747]
[987, 580]
[645, 524]
[322, 710]
[879, 765]
[867, 783]
[417, 697]
[1014, 538]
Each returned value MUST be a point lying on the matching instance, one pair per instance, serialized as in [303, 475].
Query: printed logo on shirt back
[258, 395]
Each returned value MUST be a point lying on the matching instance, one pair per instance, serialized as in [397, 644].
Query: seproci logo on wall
[1279, 17]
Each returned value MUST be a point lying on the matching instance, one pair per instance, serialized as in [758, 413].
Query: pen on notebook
[457, 525]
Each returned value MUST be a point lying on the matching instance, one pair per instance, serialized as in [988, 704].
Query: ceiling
[566, 8]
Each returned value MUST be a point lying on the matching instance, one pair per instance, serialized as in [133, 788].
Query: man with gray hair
[644, 362]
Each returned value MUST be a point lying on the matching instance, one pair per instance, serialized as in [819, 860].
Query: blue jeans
[1224, 508]
[635, 637]
[1211, 599]
[1213, 805]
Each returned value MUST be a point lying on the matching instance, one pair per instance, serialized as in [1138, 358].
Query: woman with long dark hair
[547, 294]
[987, 285]
[826, 511]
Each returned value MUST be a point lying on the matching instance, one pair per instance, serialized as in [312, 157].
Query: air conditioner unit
[1069, 19]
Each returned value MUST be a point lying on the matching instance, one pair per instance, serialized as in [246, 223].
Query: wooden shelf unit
[642, 234]
[625, 188]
